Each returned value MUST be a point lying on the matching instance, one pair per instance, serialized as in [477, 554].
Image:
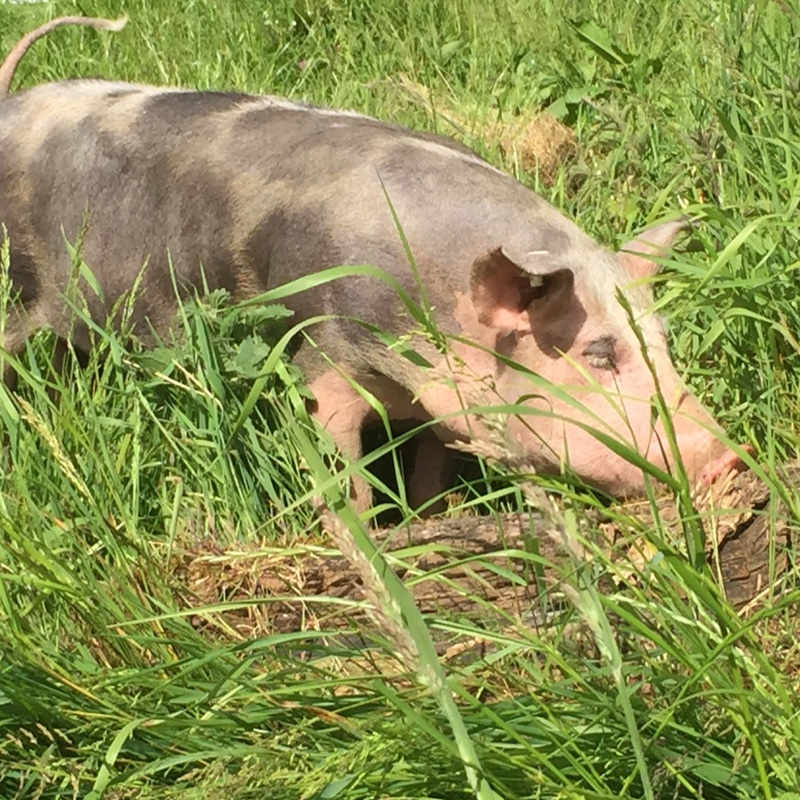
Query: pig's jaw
[550, 446]
[625, 481]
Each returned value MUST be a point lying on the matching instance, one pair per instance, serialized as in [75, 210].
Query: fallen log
[504, 562]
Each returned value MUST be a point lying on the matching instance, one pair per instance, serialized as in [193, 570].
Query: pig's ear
[508, 297]
[652, 242]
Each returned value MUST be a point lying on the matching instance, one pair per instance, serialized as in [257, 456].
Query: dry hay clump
[539, 143]
[536, 141]
[242, 589]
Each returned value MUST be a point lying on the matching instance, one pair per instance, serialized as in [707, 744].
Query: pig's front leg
[342, 410]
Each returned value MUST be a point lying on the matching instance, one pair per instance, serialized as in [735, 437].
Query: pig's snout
[725, 464]
[705, 457]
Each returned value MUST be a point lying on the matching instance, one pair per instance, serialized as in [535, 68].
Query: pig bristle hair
[12, 60]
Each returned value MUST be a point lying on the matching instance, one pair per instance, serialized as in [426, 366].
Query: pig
[170, 188]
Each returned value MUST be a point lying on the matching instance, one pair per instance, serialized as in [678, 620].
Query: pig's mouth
[729, 463]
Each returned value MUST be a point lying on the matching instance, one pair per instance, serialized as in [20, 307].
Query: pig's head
[559, 316]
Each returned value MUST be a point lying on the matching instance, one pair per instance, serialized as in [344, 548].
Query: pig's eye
[601, 353]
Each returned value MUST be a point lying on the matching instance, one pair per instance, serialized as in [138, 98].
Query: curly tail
[12, 60]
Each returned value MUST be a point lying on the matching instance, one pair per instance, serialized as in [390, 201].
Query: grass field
[135, 506]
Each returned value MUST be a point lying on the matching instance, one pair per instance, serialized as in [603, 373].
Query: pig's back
[253, 190]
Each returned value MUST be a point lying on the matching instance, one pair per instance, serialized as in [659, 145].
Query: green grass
[120, 679]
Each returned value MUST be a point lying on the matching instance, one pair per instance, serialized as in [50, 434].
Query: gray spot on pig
[287, 238]
[281, 237]
[174, 109]
[141, 203]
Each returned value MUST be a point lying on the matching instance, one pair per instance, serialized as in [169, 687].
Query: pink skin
[616, 398]
[615, 403]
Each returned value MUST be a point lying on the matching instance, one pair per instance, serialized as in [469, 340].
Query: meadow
[142, 498]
